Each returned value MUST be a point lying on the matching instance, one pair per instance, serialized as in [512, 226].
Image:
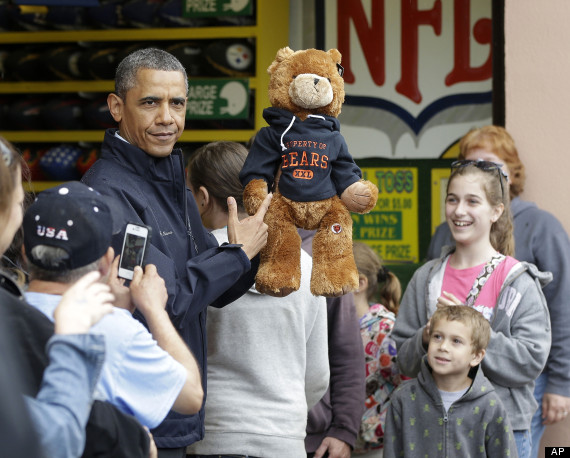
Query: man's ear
[477, 358]
[106, 261]
[115, 104]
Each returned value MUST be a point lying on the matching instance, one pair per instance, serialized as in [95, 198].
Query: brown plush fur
[334, 271]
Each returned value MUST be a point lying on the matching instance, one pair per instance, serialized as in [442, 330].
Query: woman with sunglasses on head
[481, 273]
[540, 239]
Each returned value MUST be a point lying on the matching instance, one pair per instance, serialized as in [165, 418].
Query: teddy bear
[304, 160]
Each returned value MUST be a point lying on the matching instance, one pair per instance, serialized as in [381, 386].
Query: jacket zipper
[445, 420]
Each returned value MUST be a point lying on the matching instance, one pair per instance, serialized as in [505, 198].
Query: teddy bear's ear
[282, 54]
[335, 55]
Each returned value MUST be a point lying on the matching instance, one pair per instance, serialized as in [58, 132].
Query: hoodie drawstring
[285, 131]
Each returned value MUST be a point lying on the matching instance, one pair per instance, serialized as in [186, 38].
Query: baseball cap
[73, 217]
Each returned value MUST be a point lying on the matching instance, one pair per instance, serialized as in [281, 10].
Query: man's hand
[83, 305]
[148, 290]
[554, 408]
[335, 447]
[118, 288]
[250, 232]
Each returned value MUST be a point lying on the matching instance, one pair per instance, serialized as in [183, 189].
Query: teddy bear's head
[307, 82]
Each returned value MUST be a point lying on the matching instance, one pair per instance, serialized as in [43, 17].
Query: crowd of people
[188, 359]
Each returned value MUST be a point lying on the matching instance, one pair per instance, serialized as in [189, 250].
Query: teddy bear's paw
[334, 292]
[360, 197]
[324, 286]
[280, 292]
[277, 280]
[253, 195]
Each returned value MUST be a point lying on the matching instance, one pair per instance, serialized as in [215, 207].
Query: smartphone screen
[134, 247]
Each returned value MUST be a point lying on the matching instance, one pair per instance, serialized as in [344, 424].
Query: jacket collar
[8, 283]
[475, 391]
[137, 160]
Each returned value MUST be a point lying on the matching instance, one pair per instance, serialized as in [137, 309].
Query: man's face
[152, 114]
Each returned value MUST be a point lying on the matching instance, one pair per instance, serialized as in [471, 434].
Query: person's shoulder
[530, 213]
[108, 172]
[120, 326]
[525, 273]
[406, 390]
[505, 267]
[425, 269]
[377, 314]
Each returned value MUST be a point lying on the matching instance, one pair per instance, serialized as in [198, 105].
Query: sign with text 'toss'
[391, 228]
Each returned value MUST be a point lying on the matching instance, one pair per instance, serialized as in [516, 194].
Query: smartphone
[137, 238]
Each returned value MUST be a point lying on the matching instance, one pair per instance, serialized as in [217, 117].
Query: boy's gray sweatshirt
[417, 424]
[520, 333]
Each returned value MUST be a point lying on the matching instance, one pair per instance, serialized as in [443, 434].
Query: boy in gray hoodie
[451, 408]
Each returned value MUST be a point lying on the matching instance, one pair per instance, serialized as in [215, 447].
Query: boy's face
[450, 352]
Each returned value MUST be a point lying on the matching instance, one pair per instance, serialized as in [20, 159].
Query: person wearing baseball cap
[68, 231]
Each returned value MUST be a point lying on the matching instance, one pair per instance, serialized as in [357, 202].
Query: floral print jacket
[382, 374]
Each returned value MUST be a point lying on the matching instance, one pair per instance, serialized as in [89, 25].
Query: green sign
[209, 8]
[391, 228]
[218, 99]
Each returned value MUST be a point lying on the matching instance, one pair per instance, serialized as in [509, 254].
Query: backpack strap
[482, 278]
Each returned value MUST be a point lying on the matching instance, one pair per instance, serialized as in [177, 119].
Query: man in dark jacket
[140, 168]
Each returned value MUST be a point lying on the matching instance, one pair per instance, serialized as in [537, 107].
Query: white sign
[417, 75]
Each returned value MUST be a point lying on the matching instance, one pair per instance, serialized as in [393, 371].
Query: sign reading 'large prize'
[218, 99]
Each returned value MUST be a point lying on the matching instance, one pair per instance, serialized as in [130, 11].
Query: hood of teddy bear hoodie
[279, 117]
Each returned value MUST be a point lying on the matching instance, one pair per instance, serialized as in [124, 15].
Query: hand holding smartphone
[137, 238]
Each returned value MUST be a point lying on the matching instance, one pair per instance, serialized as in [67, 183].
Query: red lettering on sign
[482, 31]
[412, 18]
[371, 38]
[370, 29]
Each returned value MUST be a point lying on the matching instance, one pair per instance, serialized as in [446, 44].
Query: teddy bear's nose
[316, 81]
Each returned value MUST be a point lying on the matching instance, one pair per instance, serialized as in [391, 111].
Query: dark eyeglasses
[483, 165]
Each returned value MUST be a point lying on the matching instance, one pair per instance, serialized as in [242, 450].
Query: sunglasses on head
[6, 154]
[487, 166]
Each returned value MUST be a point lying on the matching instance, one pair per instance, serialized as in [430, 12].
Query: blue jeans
[523, 441]
[536, 426]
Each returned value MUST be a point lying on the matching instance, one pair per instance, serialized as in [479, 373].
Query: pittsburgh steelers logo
[336, 228]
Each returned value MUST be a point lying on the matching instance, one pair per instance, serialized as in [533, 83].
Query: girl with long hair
[480, 272]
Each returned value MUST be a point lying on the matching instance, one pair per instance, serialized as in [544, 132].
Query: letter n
[371, 38]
